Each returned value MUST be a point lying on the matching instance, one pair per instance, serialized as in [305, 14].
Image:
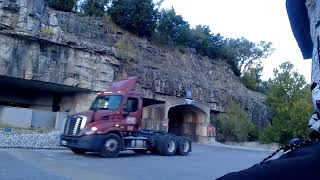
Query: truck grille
[74, 125]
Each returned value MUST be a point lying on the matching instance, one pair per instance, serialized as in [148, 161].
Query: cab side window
[132, 105]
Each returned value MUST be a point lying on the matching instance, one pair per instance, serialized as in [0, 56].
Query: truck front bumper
[92, 143]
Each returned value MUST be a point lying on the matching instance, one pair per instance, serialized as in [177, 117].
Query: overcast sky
[253, 19]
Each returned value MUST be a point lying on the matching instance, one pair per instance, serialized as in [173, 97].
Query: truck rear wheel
[167, 146]
[184, 146]
[78, 151]
[111, 147]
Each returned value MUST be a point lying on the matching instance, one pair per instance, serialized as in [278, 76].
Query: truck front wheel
[167, 146]
[111, 147]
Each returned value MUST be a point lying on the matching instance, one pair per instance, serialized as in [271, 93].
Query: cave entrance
[187, 120]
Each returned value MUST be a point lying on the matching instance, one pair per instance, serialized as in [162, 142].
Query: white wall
[16, 117]
[42, 118]
[26, 118]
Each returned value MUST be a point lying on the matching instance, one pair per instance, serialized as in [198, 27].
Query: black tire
[111, 146]
[167, 146]
[184, 146]
[78, 151]
[141, 151]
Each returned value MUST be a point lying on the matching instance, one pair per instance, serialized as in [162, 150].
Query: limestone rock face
[39, 43]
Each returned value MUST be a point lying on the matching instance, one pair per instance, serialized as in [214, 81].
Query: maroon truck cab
[113, 123]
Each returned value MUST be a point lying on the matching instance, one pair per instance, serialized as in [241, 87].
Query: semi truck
[114, 124]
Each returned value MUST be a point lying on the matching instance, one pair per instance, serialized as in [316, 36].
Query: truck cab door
[132, 113]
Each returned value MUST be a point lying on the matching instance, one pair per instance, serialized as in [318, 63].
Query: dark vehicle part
[289, 148]
[167, 145]
[78, 151]
[183, 146]
[299, 162]
[141, 151]
[153, 150]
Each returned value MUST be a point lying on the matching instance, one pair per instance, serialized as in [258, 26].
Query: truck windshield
[106, 102]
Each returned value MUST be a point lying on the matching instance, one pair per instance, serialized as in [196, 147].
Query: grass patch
[127, 51]
[47, 32]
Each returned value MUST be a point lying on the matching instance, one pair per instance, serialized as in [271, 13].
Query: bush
[136, 16]
[252, 78]
[234, 125]
[234, 66]
[288, 97]
[127, 51]
[63, 5]
[47, 32]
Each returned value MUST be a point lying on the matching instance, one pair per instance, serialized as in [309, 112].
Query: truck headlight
[90, 131]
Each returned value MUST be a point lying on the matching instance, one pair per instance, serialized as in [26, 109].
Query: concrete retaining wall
[60, 120]
[15, 117]
[44, 119]
[26, 118]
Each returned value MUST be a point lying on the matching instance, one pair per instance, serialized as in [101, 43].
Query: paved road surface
[205, 162]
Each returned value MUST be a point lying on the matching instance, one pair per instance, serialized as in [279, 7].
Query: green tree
[172, 29]
[247, 54]
[289, 99]
[136, 16]
[205, 42]
[234, 125]
[94, 7]
[63, 5]
[252, 78]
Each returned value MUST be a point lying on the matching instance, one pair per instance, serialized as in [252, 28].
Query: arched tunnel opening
[187, 120]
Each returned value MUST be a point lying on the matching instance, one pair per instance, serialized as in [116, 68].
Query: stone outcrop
[39, 43]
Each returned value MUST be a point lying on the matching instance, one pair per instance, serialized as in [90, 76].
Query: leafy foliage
[136, 16]
[246, 53]
[289, 98]
[252, 78]
[95, 7]
[234, 125]
[205, 42]
[171, 29]
[63, 5]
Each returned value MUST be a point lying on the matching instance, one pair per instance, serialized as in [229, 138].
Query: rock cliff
[39, 43]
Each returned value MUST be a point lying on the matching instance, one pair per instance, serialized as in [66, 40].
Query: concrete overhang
[32, 85]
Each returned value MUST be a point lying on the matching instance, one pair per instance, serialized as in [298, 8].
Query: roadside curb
[62, 148]
[216, 144]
